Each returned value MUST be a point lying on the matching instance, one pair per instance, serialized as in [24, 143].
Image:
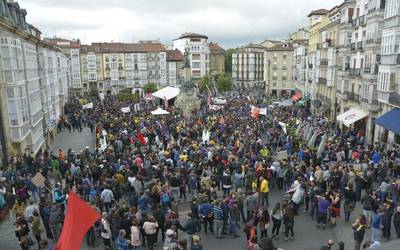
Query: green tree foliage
[223, 82]
[125, 95]
[228, 59]
[205, 83]
[150, 87]
[93, 92]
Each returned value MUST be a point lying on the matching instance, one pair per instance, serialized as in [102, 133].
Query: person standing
[376, 223]
[135, 236]
[105, 231]
[218, 219]
[323, 206]
[277, 216]
[36, 226]
[359, 231]
[107, 196]
[288, 221]
[150, 230]
[191, 227]
[55, 222]
[264, 190]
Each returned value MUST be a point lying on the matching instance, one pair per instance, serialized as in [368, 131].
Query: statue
[187, 101]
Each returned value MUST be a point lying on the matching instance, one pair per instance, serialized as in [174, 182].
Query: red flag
[80, 217]
[141, 138]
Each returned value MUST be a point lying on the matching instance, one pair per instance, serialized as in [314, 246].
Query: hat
[170, 232]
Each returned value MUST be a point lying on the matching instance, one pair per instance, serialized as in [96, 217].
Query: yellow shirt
[264, 186]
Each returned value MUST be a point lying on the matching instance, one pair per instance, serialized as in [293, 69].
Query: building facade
[326, 65]
[174, 65]
[388, 85]
[110, 67]
[34, 83]
[300, 77]
[279, 69]
[217, 59]
[199, 52]
[248, 68]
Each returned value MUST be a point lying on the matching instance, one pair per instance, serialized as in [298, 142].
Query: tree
[228, 59]
[94, 92]
[150, 88]
[223, 82]
[204, 84]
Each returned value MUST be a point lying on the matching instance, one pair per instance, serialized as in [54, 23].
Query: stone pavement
[74, 140]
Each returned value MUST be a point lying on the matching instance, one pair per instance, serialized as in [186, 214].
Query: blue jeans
[232, 228]
[218, 226]
[375, 234]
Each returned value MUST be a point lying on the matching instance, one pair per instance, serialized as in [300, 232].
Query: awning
[351, 116]
[390, 120]
[167, 92]
[297, 96]
[159, 111]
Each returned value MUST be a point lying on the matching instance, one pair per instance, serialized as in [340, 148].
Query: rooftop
[124, 47]
[281, 47]
[174, 55]
[192, 35]
[214, 47]
[318, 12]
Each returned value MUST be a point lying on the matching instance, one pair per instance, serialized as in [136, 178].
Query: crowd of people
[223, 163]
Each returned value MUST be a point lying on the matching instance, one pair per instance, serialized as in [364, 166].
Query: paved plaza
[307, 236]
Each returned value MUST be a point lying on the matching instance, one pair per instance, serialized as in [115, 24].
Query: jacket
[135, 236]
[55, 216]
[192, 226]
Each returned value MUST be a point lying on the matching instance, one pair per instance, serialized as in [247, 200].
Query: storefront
[390, 121]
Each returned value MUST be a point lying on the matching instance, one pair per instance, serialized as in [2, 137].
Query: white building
[33, 86]
[199, 52]
[389, 72]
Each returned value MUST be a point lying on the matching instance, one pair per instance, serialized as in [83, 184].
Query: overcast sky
[231, 23]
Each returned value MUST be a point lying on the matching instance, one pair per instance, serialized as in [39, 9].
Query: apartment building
[326, 65]
[217, 59]
[360, 31]
[279, 69]
[110, 67]
[317, 20]
[70, 48]
[174, 65]
[199, 52]
[300, 79]
[248, 68]
[388, 85]
[34, 84]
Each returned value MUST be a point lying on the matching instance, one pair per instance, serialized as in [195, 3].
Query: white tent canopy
[351, 116]
[159, 111]
[167, 92]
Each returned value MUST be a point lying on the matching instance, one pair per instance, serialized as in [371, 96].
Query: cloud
[229, 22]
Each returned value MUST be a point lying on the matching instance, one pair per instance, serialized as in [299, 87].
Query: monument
[188, 100]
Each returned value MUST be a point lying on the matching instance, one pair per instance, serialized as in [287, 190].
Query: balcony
[394, 99]
[362, 20]
[324, 61]
[353, 46]
[370, 104]
[360, 46]
[355, 72]
[354, 97]
[322, 80]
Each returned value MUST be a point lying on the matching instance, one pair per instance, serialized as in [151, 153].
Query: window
[196, 57]
[196, 73]
[196, 65]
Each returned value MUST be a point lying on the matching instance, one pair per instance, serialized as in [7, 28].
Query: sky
[231, 23]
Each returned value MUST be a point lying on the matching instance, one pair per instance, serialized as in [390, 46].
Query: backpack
[165, 198]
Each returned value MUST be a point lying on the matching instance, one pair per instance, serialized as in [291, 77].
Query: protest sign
[282, 155]
[38, 180]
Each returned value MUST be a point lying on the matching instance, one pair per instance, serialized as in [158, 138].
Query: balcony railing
[354, 97]
[322, 80]
[324, 61]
